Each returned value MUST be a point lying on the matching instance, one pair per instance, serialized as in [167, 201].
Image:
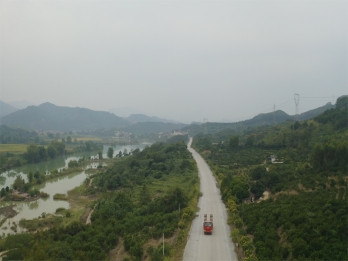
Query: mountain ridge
[136, 118]
[6, 109]
[48, 117]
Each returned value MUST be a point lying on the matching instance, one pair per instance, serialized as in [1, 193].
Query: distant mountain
[268, 118]
[153, 127]
[312, 113]
[124, 111]
[6, 109]
[21, 104]
[281, 116]
[259, 120]
[135, 118]
[49, 117]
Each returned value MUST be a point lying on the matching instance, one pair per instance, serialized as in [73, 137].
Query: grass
[60, 196]
[40, 223]
[79, 205]
[89, 138]
[13, 148]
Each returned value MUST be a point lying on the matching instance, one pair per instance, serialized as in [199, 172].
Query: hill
[312, 113]
[262, 119]
[6, 109]
[49, 117]
[297, 174]
[135, 118]
[21, 104]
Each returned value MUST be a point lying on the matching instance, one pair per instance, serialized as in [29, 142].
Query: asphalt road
[217, 246]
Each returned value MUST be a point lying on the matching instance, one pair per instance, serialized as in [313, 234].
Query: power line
[328, 97]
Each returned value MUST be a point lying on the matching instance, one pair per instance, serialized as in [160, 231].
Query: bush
[59, 210]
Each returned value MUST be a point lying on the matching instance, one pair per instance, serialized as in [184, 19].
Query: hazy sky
[182, 60]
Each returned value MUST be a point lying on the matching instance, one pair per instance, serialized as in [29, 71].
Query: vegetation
[43, 222]
[59, 196]
[139, 200]
[303, 168]
[13, 149]
[10, 135]
[15, 155]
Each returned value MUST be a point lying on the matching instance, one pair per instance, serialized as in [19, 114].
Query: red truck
[208, 225]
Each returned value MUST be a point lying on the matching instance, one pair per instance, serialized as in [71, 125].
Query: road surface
[218, 246]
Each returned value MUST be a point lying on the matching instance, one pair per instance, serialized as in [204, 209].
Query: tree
[33, 154]
[110, 152]
[73, 164]
[145, 197]
[342, 102]
[234, 142]
[297, 125]
[68, 139]
[18, 183]
[100, 155]
[51, 151]
[30, 176]
[258, 172]
[250, 141]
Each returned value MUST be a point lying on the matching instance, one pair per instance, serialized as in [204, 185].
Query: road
[218, 246]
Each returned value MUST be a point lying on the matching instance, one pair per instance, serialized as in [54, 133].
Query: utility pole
[297, 101]
[273, 113]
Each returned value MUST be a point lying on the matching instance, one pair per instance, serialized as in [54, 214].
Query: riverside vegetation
[138, 199]
[305, 215]
[18, 154]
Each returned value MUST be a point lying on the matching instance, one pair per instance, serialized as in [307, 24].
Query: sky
[182, 60]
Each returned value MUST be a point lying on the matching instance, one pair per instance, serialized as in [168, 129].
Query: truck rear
[208, 224]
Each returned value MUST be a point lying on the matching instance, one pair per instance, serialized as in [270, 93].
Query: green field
[13, 148]
[89, 138]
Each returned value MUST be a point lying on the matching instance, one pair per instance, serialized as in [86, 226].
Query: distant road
[218, 246]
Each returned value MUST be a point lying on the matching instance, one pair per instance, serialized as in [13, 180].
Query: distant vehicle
[208, 225]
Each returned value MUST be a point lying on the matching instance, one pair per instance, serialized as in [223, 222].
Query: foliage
[305, 217]
[73, 164]
[178, 138]
[37, 153]
[314, 224]
[59, 196]
[10, 135]
[110, 152]
[133, 209]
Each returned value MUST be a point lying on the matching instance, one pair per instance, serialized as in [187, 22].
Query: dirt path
[88, 221]
[90, 182]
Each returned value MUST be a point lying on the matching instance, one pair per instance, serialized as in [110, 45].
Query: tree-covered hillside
[261, 120]
[300, 171]
[50, 117]
[140, 198]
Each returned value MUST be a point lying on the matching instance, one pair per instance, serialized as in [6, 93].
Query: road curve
[218, 246]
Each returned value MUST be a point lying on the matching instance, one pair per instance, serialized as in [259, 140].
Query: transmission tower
[297, 101]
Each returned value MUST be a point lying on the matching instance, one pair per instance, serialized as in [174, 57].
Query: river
[33, 209]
